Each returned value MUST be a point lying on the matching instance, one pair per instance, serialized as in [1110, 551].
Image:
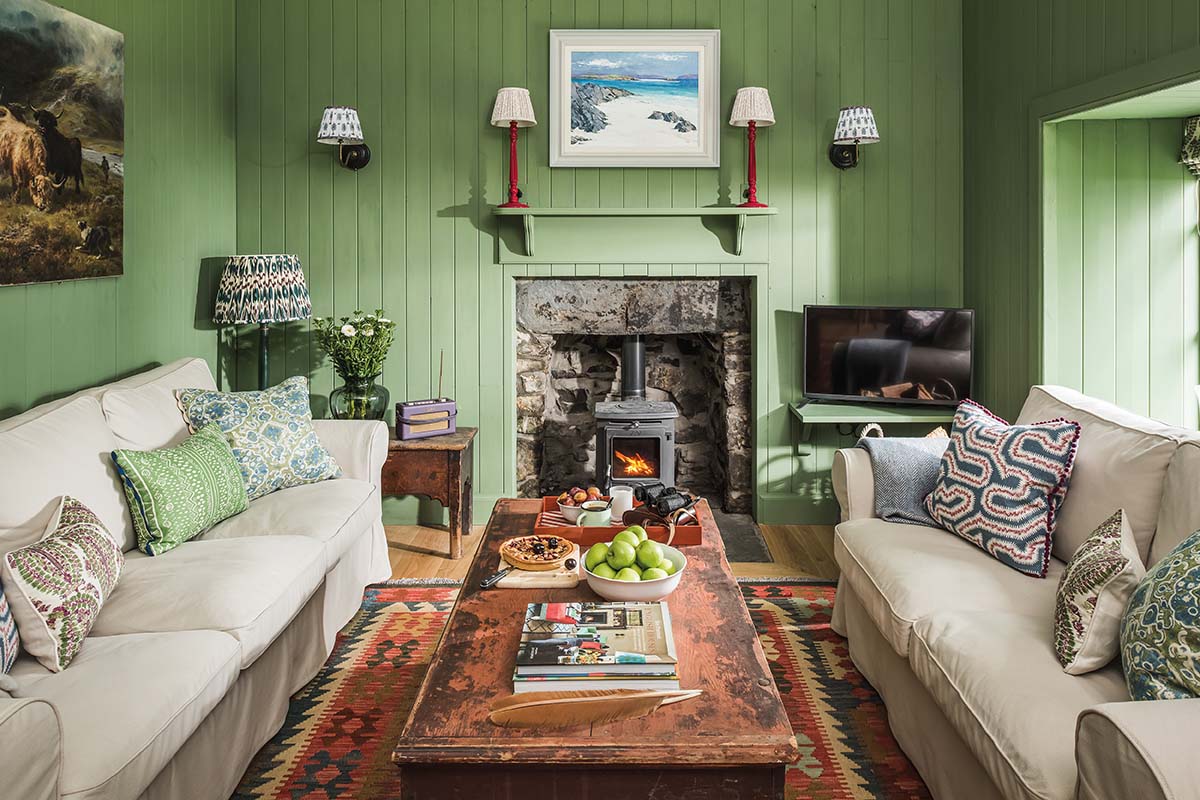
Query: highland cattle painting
[62, 131]
[634, 98]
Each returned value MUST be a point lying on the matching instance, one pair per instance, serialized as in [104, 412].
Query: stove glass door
[636, 457]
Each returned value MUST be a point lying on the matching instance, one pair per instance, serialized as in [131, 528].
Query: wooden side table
[439, 467]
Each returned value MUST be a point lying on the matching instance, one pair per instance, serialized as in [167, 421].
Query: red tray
[551, 522]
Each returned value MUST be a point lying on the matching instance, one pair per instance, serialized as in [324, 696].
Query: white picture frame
[635, 73]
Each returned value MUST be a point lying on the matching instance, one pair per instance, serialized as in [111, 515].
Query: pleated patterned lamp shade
[752, 104]
[513, 105]
[261, 289]
[340, 125]
[855, 125]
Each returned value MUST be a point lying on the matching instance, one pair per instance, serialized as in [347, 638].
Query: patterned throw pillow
[57, 586]
[999, 485]
[1092, 595]
[271, 433]
[1160, 634]
[10, 643]
[177, 492]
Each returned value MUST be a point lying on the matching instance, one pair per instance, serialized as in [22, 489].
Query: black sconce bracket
[843, 156]
[354, 156]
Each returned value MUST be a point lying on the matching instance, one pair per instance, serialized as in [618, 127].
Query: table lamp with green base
[260, 290]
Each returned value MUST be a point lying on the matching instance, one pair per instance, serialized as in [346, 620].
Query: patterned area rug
[337, 739]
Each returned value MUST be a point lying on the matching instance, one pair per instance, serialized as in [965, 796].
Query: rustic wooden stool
[438, 467]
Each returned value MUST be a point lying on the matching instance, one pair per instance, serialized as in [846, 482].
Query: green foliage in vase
[356, 345]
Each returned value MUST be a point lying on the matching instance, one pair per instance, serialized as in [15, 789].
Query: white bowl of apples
[570, 502]
[623, 571]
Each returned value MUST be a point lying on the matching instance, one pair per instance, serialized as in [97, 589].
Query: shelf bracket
[804, 445]
[741, 230]
[528, 220]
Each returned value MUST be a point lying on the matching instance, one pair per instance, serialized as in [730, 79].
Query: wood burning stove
[635, 437]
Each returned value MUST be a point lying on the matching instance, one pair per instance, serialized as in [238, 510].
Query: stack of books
[567, 647]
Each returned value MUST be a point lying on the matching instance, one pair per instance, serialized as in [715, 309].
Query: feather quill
[572, 709]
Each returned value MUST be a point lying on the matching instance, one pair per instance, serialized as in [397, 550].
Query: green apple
[667, 566]
[604, 570]
[628, 574]
[629, 537]
[638, 531]
[649, 554]
[595, 555]
[621, 555]
[653, 574]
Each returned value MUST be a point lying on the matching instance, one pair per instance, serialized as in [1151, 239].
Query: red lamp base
[513, 204]
[752, 204]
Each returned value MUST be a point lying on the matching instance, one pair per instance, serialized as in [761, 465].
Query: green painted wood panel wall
[1014, 52]
[1122, 265]
[412, 232]
[179, 160]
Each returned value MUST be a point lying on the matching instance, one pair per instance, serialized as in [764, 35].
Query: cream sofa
[191, 662]
[961, 647]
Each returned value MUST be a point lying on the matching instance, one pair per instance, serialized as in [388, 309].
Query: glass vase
[359, 398]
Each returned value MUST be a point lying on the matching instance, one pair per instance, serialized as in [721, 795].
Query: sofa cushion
[248, 588]
[128, 703]
[1121, 462]
[65, 451]
[996, 678]
[331, 512]
[1000, 486]
[57, 586]
[1179, 512]
[143, 412]
[902, 573]
[177, 492]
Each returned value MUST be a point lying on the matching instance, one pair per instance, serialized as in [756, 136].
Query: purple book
[420, 419]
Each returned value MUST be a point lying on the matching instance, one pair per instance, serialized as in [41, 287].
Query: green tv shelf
[812, 413]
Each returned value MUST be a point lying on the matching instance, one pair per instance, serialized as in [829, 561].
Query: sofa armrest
[30, 748]
[1143, 749]
[854, 483]
[359, 446]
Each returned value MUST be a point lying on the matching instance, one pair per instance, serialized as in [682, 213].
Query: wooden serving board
[561, 578]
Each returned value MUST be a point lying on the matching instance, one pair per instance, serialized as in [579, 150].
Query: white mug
[622, 500]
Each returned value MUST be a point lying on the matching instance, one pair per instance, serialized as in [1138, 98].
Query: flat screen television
[876, 354]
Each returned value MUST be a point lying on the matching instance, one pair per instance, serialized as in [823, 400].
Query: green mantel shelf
[832, 413]
[644, 236]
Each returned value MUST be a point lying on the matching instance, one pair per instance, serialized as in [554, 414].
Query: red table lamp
[513, 110]
[752, 110]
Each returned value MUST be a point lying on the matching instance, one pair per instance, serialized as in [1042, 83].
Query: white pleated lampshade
[856, 125]
[752, 104]
[513, 104]
[340, 125]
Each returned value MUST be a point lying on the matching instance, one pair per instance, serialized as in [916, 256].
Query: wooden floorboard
[800, 551]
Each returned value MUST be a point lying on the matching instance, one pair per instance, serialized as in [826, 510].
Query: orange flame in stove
[635, 464]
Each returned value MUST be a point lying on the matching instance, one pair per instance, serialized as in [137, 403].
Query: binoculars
[661, 499]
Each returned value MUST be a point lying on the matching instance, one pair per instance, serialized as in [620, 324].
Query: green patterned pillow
[271, 433]
[177, 492]
[1160, 635]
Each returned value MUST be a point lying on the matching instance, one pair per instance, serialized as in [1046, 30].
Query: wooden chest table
[732, 742]
[439, 467]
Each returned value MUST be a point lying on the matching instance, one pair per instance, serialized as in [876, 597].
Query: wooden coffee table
[732, 742]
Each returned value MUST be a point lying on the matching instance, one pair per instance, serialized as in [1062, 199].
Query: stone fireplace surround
[568, 338]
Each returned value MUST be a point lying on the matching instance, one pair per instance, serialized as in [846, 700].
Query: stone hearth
[697, 332]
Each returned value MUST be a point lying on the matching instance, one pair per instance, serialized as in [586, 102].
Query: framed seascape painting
[62, 145]
[635, 98]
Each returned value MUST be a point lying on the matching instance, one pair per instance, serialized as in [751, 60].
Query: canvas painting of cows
[62, 131]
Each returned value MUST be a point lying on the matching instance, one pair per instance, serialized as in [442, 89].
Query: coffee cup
[596, 513]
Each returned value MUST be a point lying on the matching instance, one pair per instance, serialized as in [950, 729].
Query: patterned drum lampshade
[259, 290]
[856, 125]
[340, 125]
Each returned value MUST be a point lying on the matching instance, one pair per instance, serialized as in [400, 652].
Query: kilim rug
[337, 739]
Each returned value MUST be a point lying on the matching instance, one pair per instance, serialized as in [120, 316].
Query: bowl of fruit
[633, 567]
[570, 502]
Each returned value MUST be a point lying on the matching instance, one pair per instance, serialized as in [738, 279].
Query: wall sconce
[752, 110]
[340, 126]
[513, 109]
[855, 126]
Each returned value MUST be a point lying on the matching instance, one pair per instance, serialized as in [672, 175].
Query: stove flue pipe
[633, 368]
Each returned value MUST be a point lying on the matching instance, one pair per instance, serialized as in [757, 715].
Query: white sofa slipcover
[190, 666]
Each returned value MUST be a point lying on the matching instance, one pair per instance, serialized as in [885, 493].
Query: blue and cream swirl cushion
[271, 433]
[1000, 486]
[1160, 634]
